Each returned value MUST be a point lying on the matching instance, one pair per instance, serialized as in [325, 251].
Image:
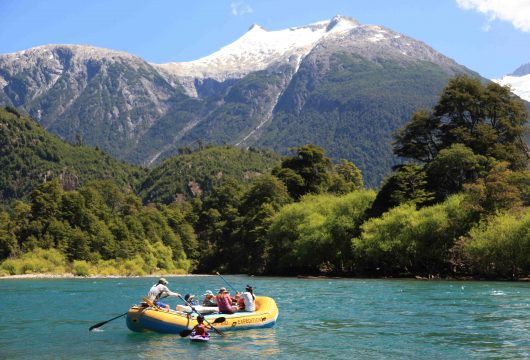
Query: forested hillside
[29, 155]
[458, 206]
[195, 173]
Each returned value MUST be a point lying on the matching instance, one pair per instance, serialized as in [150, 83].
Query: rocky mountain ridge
[337, 83]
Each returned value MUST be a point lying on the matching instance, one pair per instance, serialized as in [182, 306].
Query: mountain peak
[340, 22]
[522, 70]
[256, 27]
[519, 81]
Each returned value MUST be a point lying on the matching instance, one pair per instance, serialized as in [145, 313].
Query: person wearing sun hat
[160, 290]
[224, 302]
[209, 299]
[190, 299]
[249, 299]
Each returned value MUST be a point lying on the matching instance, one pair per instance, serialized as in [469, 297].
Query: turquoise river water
[319, 319]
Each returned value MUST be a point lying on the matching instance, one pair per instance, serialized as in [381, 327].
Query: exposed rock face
[337, 83]
[522, 70]
[109, 98]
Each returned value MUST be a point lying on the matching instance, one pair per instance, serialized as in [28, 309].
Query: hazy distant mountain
[337, 83]
[519, 80]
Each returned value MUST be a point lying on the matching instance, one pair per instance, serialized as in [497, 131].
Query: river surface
[319, 319]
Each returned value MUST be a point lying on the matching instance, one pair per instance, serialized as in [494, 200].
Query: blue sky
[488, 36]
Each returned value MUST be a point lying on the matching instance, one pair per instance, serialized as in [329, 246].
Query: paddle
[100, 324]
[185, 333]
[104, 322]
[193, 309]
[227, 283]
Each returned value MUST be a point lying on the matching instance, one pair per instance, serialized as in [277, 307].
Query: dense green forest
[457, 207]
[29, 155]
[194, 173]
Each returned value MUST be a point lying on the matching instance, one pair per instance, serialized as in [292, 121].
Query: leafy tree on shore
[311, 165]
[408, 185]
[315, 234]
[97, 224]
[472, 127]
[251, 244]
[406, 241]
[452, 168]
[500, 247]
[488, 119]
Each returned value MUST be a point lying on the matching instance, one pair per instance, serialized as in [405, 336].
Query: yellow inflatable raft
[141, 318]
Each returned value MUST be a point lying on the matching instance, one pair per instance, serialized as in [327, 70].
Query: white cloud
[240, 8]
[515, 11]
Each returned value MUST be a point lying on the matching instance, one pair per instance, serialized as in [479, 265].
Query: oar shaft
[104, 322]
[195, 311]
[227, 283]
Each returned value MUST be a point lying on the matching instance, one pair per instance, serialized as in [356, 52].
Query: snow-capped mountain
[337, 83]
[259, 49]
[519, 81]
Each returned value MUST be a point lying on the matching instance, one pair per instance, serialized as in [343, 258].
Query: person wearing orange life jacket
[224, 302]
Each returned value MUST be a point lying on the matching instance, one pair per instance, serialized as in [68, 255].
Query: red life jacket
[200, 330]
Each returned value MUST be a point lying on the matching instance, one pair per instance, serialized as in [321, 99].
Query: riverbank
[73, 276]
[417, 277]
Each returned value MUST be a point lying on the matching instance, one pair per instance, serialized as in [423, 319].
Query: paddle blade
[219, 320]
[97, 325]
[100, 324]
[185, 333]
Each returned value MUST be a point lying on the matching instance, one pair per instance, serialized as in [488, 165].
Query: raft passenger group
[227, 304]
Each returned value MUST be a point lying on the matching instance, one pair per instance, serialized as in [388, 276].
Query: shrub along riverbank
[460, 208]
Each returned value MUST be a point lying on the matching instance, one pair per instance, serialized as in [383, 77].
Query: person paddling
[224, 302]
[200, 328]
[159, 290]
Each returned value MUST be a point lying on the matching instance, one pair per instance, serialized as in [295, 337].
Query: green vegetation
[314, 235]
[460, 209]
[500, 247]
[30, 155]
[352, 108]
[195, 173]
[409, 241]
[98, 229]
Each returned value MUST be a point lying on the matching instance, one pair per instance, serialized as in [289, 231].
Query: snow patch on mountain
[259, 49]
[520, 85]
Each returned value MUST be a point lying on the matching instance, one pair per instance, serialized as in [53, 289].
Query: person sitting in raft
[249, 299]
[200, 328]
[224, 302]
[158, 291]
[190, 299]
[235, 300]
[209, 299]
[241, 304]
